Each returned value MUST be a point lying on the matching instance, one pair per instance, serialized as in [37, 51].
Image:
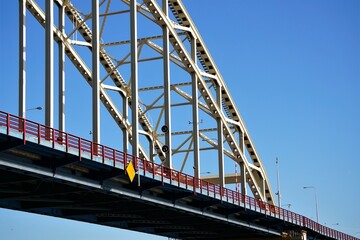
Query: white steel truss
[178, 44]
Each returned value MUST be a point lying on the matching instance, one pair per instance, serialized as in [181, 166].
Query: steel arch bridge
[149, 67]
[155, 68]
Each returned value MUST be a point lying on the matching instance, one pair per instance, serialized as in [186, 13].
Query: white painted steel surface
[182, 50]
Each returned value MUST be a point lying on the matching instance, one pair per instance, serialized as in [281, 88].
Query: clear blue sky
[293, 69]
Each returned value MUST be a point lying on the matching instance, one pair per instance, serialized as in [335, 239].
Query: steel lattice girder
[254, 180]
[231, 120]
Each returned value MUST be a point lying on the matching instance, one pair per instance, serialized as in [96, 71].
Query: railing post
[170, 176]
[265, 206]
[135, 159]
[79, 145]
[39, 133]
[153, 169]
[292, 217]
[53, 137]
[125, 160]
[179, 179]
[277, 210]
[281, 213]
[7, 124]
[162, 175]
[144, 166]
[66, 141]
[114, 157]
[24, 130]
[221, 193]
[207, 183]
[103, 153]
[92, 150]
[194, 185]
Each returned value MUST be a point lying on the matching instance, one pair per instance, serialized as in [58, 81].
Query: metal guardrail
[50, 137]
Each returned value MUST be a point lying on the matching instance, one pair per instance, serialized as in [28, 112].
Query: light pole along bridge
[48, 171]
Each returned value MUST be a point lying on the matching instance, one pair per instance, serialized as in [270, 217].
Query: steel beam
[151, 150]
[241, 141]
[22, 58]
[124, 130]
[134, 79]
[242, 178]
[167, 102]
[229, 178]
[195, 112]
[95, 72]
[220, 133]
[61, 62]
[49, 64]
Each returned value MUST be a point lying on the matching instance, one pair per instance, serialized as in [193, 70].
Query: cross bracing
[190, 81]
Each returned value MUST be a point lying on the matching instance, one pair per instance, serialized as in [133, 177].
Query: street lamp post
[30, 109]
[35, 108]
[316, 202]
[278, 182]
[287, 205]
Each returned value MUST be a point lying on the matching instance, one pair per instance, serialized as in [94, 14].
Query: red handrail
[30, 128]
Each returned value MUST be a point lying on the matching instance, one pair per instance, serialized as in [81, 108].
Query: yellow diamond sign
[130, 171]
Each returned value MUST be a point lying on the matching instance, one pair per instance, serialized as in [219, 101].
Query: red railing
[26, 129]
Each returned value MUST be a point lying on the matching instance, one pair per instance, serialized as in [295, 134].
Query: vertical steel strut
[167, 89]
[95, 72]
[22, 58]
[124, 131]
[195, 112]
[220, 133]
[61, 62]
[134, 78]
[49, 64]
